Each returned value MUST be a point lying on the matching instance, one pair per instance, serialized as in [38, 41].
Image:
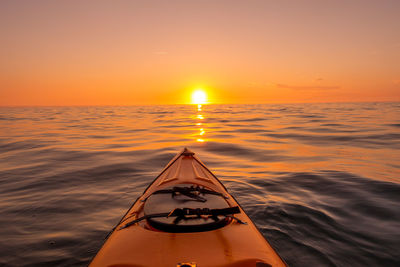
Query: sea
[321, 181]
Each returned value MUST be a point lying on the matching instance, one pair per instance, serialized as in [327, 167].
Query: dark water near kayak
[322, 181]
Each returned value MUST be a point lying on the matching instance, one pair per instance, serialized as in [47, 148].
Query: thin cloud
[161, 52]
[294, 87]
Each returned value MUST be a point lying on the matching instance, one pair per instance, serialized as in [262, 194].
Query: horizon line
[190, 104]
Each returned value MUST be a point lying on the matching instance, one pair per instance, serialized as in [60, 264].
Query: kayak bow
[186, 218]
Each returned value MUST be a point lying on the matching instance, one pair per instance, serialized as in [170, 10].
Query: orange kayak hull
[238, 243]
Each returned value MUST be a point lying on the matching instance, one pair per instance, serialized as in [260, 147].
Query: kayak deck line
[186, 215]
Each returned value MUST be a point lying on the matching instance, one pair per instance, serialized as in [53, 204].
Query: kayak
[186, 218]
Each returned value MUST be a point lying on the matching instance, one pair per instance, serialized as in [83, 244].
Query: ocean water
[321, 181]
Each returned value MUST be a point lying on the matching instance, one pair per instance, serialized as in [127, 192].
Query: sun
[199, 97]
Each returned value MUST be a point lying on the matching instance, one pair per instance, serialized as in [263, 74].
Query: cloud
[161, 52]
[311, 87]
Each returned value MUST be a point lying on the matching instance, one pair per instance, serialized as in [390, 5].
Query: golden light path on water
[313, 163]
[199, 98]
[200, 118]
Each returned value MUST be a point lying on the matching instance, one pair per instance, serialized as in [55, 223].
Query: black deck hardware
[185, 213]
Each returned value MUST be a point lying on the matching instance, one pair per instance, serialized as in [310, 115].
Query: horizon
[203, 105]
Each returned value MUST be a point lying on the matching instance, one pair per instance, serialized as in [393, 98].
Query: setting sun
[199, 97]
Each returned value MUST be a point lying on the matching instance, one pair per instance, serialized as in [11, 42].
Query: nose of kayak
[186, 217]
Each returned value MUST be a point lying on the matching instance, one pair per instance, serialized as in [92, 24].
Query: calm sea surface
[321, 181]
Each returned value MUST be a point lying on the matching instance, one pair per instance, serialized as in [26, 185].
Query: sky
[158, 52]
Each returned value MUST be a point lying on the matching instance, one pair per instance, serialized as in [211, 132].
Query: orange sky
[157, 52]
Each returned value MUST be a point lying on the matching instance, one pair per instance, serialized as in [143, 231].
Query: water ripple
[321, 181]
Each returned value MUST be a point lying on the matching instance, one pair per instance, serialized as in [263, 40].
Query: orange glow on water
[200, 129]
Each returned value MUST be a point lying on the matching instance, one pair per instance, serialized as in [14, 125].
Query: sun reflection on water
[200, 127]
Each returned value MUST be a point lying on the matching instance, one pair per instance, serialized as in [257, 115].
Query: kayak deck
[168, 241]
